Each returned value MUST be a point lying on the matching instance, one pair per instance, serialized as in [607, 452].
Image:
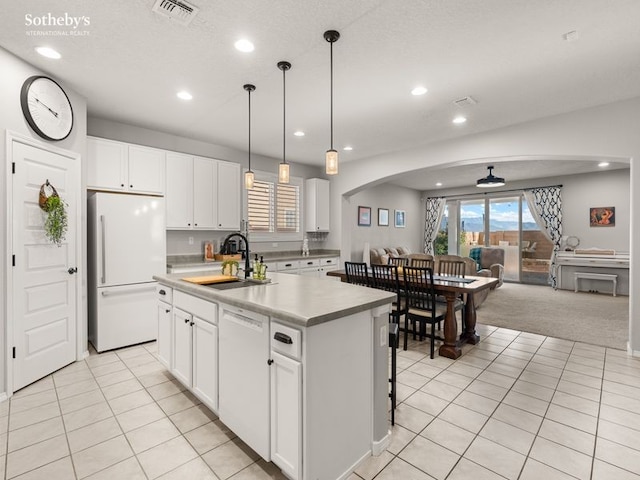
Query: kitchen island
[297, 368]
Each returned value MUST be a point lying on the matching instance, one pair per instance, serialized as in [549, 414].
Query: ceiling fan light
[283, 173]
[490, 180]
[331, 162]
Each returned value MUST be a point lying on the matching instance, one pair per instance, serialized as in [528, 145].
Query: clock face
[46, 108]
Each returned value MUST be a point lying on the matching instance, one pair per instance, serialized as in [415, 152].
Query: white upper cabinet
[316, 205]
[229, 194]
[179, 194]
[146, 169]
[202, 193]
[120, 167]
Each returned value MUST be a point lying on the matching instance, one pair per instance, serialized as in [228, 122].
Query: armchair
[490, 262]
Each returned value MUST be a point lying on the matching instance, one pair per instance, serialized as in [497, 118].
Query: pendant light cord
[249, 130]
[331, 83]
[284, 116]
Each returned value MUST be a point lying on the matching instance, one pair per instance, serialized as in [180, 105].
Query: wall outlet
[190, 240]
[384, 335]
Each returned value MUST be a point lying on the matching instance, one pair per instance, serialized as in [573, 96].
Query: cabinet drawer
[164, 293]
[309, 263]
[329, 261]
[288, 265]
[286, 340]
[198, 307]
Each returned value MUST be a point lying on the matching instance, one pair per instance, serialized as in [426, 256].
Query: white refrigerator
[126, 247]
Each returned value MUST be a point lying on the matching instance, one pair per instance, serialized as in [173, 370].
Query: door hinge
[13, 167]
[14, 352]
[13, 260]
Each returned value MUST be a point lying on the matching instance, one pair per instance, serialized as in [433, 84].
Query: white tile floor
[516, 406]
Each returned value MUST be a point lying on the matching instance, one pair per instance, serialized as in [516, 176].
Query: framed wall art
[364, 216]
[399, 218]
[602, 216]
[383, 217]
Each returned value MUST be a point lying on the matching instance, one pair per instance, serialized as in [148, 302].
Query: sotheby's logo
[49, 24]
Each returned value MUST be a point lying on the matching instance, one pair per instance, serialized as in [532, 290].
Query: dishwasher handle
[283, 337]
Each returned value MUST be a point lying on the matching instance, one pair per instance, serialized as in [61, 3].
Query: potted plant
[56, 222]
[230, 267]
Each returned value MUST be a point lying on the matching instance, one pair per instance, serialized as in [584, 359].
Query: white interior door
[44, 308]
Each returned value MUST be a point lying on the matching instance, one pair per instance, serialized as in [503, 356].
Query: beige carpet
[593, 318]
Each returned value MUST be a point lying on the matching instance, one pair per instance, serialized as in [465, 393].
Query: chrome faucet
[247, 268]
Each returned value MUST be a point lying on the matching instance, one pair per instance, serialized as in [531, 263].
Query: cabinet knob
[188, 224]
[191, 324]
[122, 184]
[186, 320]
[130, 186]
[195, 224]
[167, 310]
[269, 362]
[162, 292]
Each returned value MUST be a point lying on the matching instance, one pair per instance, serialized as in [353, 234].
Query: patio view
[499, 222]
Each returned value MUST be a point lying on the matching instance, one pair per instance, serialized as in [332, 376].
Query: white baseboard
[377, 447]
[633, 353]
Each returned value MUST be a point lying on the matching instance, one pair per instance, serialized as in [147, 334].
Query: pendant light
[490, 180]
[331, 157]
[248, 176]
[283, 169]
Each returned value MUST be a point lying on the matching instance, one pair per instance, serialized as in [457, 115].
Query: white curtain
[434, 210]
[545, 204]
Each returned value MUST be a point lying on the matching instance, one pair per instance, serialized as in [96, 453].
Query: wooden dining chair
[357, 273]
[385, 277]
[451, 268]
[421, 262]
[422, 307]
[398, 261]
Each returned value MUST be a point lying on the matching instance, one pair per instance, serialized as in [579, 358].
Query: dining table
[451, 288]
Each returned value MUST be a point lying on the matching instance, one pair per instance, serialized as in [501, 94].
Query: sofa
[483, 262]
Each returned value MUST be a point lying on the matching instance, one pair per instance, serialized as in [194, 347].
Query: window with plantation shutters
[273, 209]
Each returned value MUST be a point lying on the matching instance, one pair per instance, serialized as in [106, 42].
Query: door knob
[72, 270]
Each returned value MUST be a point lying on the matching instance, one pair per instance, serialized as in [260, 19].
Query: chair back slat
[398, 261]
[421, 262]
[453, 268]
[385, 277]
[357, 273]
[419, 289]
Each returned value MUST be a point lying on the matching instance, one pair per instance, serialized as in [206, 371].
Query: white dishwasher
[244, 376]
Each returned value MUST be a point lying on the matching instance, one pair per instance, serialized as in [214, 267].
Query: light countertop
[300, 300]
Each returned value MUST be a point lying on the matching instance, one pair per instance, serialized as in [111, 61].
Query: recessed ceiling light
[419, 91]
[244, 45]
[603, 164]
[459, 120]
[347, 148]
[48, 52]
[439, 184]
[299, 133]
[184, 95]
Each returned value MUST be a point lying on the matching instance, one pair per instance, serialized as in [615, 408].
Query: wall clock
[46, 108]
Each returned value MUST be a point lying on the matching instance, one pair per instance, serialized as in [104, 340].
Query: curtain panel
[434, 210]
[545, 204]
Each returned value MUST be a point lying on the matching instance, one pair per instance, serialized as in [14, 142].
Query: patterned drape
[434, 211]
[545, 204]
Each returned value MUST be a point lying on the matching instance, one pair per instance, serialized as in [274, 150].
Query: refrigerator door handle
[103, 278]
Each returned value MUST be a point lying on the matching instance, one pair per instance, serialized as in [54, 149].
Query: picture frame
[383, 217]
[399, 217]
[602, 217]
[364, 216]
[209, 252]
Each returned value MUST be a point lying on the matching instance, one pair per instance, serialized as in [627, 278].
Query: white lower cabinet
[286, 414]
[165, 326]
[194, 347]
[205, 362]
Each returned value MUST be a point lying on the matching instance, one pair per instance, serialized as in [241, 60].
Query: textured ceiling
[509, 55]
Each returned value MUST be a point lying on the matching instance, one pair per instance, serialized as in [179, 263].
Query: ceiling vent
[465, 102]
[181, 12]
